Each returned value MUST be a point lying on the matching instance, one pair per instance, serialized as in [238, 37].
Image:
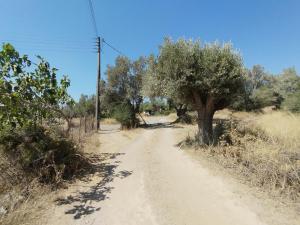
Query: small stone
[3, 211]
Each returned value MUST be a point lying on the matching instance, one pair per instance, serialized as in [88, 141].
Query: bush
[124, 113]
[292, 102]
[185, 119]
[42, 152]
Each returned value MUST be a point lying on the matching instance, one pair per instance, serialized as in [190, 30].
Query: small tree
[292, 100]
[124, 83]
[205, 76]
[29, 95]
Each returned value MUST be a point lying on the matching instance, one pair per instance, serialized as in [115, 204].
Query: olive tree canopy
[206, 76]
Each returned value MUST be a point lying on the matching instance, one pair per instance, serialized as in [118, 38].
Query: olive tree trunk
[205, 110]
[181, 110]
[182, 116]
[205, 126]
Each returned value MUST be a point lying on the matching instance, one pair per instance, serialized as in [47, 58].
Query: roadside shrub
[265, 152]
[43, 153]
[292, 102]
[124, 113]
[222, 133]
[185, 118]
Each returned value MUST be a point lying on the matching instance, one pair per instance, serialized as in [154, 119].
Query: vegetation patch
[266, 156]
[33, 145]
[42, 153]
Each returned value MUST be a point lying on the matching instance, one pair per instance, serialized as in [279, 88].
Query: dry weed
[265, 147]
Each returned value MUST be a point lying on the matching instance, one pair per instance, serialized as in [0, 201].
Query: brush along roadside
[262, 147]
[34, 160]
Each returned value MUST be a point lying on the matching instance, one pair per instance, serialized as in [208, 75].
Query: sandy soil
[148, 180]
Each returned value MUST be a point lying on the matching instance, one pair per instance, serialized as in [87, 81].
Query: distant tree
[258, 91]
[85, 106]
[154, 88]
[289, 85]
[124, 84]
[287, 82]
[292, 102]
[205, 76]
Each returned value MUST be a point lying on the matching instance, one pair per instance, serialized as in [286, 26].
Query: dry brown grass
[109, 121]
[264, 147]
[29, 208]
[281, 127]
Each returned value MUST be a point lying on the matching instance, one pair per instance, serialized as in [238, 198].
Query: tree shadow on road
[160, 125]
[81, 203]
[102, 131]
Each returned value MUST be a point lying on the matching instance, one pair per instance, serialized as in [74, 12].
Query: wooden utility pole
[97, 113]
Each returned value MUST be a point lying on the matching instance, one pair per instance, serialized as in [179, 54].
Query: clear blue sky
[267, 32]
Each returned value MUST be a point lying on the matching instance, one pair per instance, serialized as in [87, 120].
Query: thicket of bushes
[43, 153]
[31, 101]
[125, 114]
[261, 89]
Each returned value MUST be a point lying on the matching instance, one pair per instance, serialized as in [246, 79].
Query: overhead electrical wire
[62, 44]
[112, 47]
[92, 11]
[93, 17]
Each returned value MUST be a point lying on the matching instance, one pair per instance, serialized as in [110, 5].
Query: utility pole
[97, 113]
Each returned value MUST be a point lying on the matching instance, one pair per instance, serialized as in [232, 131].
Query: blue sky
[265, 31]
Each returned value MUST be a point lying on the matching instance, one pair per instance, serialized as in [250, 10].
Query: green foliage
[259, 90]
[123, 88]
[207, 77]
[147, 106]
[287, 82]
[292, 100]
[31, 97]
[85, 106]
[125, 114]
[262, 97]
[186, 67]
[28, 95]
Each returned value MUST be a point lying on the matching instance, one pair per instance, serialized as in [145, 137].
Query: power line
[112, 47]
[98, 42]
[96, 30]
[93, 17]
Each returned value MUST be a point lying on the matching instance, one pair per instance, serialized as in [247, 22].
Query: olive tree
[124, 84]
[153, 87]
[206, 76]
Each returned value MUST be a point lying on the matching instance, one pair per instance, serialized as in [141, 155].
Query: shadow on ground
[160, 125]
[102, 131]
[82, 203]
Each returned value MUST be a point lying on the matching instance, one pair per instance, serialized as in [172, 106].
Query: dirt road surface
[148, 180]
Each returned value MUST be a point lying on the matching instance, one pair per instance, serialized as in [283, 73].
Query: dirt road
[150, 181]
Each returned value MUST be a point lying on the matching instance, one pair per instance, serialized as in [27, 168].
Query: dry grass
[267, 147]
[109, 121]
[281, 127]
[21, 184]
[30, 208]
[264, 147]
